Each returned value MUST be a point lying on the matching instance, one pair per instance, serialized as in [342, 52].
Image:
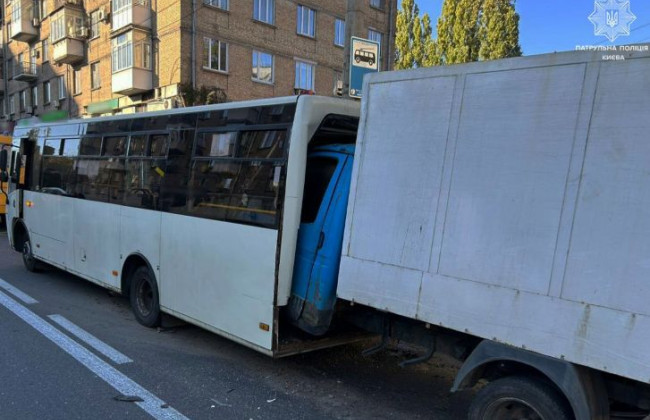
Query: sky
[561, 25]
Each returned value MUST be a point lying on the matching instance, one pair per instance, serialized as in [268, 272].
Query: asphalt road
[47, 372]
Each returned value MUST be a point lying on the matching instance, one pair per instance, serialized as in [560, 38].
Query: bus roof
[23, 130]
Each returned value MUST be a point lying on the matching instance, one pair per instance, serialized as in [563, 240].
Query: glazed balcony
[131, 12]
[131, 63]
[68, 51]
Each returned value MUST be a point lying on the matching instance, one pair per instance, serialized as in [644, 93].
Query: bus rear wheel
[519, 397]
[144, 298]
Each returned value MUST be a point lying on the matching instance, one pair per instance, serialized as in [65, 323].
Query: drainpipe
[193, 53]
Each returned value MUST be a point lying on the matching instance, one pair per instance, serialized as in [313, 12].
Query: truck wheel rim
[510, 408]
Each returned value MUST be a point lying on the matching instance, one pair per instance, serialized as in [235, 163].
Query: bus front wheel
[144, 297]
[31, 263]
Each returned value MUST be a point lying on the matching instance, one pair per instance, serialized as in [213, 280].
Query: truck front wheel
[518, 397]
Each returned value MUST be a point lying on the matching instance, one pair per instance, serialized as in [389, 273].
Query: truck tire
[31, 263]
[144, 298]
[518, 397]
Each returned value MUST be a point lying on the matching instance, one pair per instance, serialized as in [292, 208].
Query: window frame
[63, 94]
[258, 54]
[208, 44]
[217, 4]
[337, 32]
[268, 15]
[76, 82]
[98, 79]
[47, 92]
[312, 67]
[307, 28]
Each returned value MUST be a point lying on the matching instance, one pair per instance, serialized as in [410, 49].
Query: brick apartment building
[96, 57]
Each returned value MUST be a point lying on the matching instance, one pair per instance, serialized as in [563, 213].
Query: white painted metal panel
[49, 221]
[140, 234]
[401, 155]
[510, 169]
[97, 241]
[222, 274]
[609, 258]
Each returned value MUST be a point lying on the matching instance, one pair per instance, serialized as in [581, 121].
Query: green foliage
[471, 30]
[203, 95]
[499, 30]
[413, 36]
[468, 30]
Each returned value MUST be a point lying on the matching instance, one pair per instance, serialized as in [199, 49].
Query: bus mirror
[3, 160]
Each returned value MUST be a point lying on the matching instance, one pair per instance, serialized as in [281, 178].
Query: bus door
[320, 238]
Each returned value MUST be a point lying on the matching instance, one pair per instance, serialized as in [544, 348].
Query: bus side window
[175, 182]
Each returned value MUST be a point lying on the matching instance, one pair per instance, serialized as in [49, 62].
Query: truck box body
[509, 200]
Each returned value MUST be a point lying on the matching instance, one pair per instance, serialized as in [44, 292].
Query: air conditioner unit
[56, 103]
[36, 54]
[103, 14]
[29, 110]
[83, 32]
[36, 22]
[170, 103]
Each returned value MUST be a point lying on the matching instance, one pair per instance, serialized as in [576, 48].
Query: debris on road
[128, 398]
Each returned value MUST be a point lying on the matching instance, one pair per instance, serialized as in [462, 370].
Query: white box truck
[509, 200]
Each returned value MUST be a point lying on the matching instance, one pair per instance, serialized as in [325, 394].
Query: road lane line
[20, 295]
[123, 384]
[91, 340]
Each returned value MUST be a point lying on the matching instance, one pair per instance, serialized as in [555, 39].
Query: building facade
[76, 58]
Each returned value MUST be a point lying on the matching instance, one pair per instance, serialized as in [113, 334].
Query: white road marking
[20, 295]
[91, 340]
[123, 384]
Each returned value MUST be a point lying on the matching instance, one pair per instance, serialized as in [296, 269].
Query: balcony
[131, 12]
[67, 31]
[24, 29]
[60, 3]
[25, 72]
[68, 51]
[131, 63]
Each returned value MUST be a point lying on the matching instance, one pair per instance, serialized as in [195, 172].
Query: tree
[499, 30]
[412, 37]
[471, 30]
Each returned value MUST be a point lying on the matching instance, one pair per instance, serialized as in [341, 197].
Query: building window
[95, 82]
[94, 24]
[379, 4]
[44, 10]
[264, 11]
[61, 83]
[22, 96]
[12, 104]
[339, 32]
[374, 35]
[126, 53]
[215, 54]
[34, 96]
[221, 4]
[306, 21]
[76, 82]
[304, 76]
[46, 50]
[46, 92]
[262, 67]
[10, 68]
[9, 33]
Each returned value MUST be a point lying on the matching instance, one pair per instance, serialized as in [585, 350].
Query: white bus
[192, 212]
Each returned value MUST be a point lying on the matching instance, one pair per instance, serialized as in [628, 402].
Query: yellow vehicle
[5, 143]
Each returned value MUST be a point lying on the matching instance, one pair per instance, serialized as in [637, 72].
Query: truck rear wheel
[144, 298]
[518, 397]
